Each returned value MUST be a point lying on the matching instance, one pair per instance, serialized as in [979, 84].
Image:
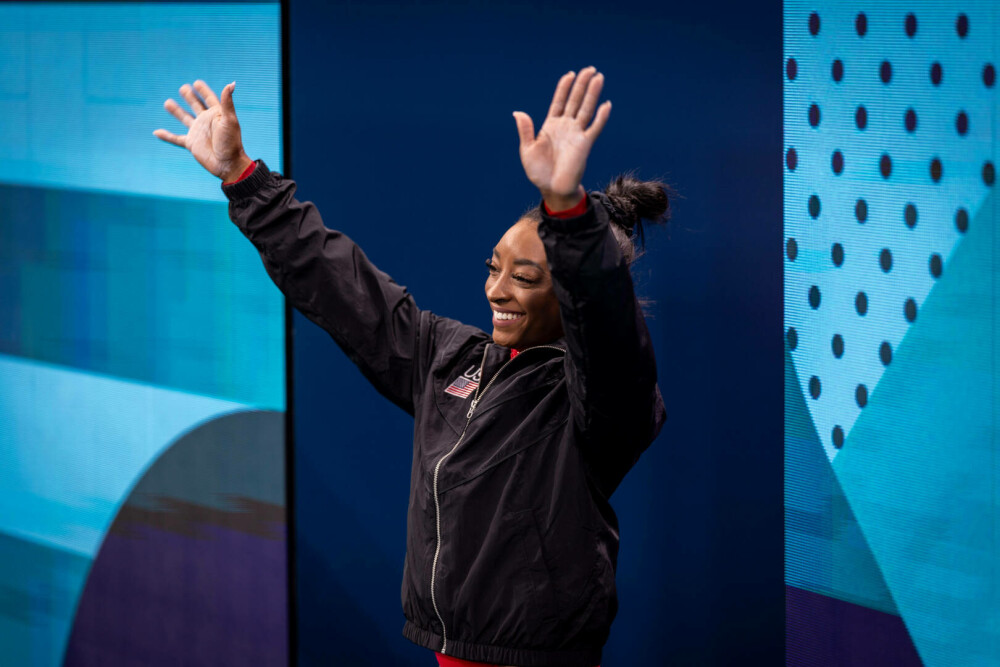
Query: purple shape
[821, 630]
[217, 596]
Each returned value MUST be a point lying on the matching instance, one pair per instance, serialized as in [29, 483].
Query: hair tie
[632, 224]
[616, 213]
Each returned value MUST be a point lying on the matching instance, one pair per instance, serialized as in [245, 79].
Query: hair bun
[629, 202]
[638, 200]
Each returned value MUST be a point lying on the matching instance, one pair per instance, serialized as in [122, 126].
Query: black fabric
[529, 541]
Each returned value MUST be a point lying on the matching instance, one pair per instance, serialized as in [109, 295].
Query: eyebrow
[522, 262]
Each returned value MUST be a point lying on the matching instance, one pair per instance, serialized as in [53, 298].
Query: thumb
[525, 128]
[226, 99]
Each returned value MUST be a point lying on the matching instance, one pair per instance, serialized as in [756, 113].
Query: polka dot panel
[921, 158]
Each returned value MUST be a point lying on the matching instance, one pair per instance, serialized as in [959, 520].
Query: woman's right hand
[213, 135]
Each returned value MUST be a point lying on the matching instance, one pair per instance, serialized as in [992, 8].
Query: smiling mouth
[506, 317]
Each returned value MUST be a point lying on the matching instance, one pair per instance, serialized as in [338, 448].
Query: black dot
[885, 260]
[814, 206]
[885, 353]
[837, 162]
[792, 249]
[989, 173]
[813, 24]
[814, 386]
[989, 75]
[838, 437]
[936, 74]
[791, 159]
[911, 120]
[861, 210]
[838, 69]
[861, 24]
[861, 118]
[861, 303]
[837, 254]
[910, 215]
[838, 345]
[814, 297]
[910, 310]
[793, 338]
[962, 25]
[861, 395]
[911, 25]
[791, 69]
[936, 170]
[962, 220]
[962, 123]
[884, 71]
[813, 115]
[935, 265]
[885, 165]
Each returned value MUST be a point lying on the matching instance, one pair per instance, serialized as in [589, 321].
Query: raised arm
[611, 369]
[321, 271]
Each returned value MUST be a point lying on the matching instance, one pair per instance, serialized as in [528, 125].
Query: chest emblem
[465, 384]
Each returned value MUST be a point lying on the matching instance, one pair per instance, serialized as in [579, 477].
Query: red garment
[448, 661]
[246, 172]
[579, 209]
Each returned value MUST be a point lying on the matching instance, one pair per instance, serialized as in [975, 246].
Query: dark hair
[628, 201]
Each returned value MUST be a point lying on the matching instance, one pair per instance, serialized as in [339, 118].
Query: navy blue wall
[402, 134]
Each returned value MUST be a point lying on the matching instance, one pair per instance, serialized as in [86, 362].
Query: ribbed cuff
[249, 185]
[592, 216]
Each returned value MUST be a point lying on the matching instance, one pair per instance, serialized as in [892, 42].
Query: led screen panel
[142, 369]
[891, 353]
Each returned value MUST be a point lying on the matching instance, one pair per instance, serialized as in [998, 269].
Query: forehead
[521, 241]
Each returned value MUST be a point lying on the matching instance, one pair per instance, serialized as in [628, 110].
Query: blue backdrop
[402, 134]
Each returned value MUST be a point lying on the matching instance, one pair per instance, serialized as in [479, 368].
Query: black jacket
[511, 543]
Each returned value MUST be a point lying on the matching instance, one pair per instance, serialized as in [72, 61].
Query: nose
[497, 289]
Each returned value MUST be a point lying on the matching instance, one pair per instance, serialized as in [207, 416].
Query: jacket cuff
[593, 216]
[249, 185]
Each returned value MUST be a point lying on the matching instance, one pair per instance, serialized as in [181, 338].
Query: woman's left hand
[555, 159]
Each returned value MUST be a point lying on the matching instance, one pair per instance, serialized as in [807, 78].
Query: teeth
[507, 316]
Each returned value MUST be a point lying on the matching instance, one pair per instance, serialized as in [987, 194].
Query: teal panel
[83, 84]
[90, 438]
[163, 291]
[920, 466]
[825, 550]
[39, 588]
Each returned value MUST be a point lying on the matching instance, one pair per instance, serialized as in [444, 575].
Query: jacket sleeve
[327, 277]
[615, 402]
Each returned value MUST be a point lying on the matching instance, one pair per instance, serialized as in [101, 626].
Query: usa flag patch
[464, 385]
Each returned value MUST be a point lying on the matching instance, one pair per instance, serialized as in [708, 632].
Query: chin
[504, 339]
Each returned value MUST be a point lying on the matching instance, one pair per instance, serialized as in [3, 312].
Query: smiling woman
[520, 436]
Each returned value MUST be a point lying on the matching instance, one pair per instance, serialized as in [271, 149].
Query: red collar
[513, 353]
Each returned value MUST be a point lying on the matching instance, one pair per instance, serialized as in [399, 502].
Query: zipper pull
[472, 408]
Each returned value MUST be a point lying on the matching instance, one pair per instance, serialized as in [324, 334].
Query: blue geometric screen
[891, 312]
[133, 315]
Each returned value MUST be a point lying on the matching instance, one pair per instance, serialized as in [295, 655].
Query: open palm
[556, 158]
[213, 136]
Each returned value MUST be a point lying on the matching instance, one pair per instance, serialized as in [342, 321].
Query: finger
[171, 138]
[192, 99]
[590, 99]
[579, 88]
[227, 99]
[562, 91]
[206, 93]
[600, 119]
[178, 113]
[525, 128]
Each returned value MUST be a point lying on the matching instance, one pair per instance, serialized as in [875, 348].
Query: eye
[489, 265]
[524, 279]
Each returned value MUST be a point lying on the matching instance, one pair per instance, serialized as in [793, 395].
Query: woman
[520, 436]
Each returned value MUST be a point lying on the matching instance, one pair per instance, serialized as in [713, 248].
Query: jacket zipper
[437, 504]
